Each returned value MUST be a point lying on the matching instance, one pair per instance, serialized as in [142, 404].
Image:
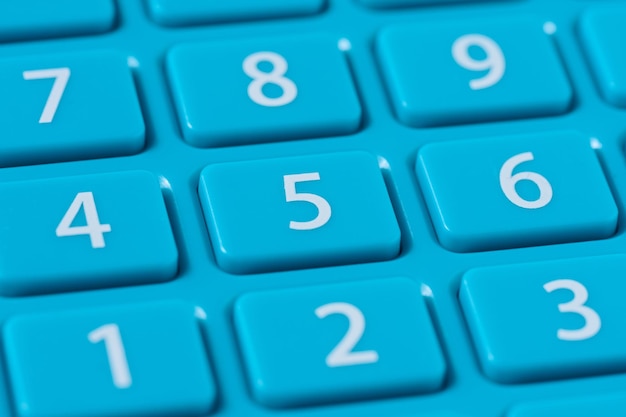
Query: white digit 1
[323, 208]
[61, 77]
[275, 76]
[94, 228]
[577, 305]
[342, 354]
[110, 334]
[508, 181]
[494, 60]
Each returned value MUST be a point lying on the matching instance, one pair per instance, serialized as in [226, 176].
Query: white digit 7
[94, 228]
[494, 60]
[577, 305]
[110, 334]
[323, 208]
[342, 354]
[61, 77]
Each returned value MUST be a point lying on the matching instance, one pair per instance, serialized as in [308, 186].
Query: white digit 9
[323, 208]
[494, 60]
[508, 182]
[577, 305]
[261, 78]
[342, 354]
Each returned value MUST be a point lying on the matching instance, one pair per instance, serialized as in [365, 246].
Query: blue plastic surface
[505, 192]
[67, 107]
[547, 320]
[262, 90]
[601, 405]
[307, 211]
[332, 343]
[468, 70]
[108, 361]
[95, 231]
[200, 281]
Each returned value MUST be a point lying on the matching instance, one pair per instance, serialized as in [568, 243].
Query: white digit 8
[577, 305]
[261, 78]
[508, 182]
[494, 60]
[342, 354]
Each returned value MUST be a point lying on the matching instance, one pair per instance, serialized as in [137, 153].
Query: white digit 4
[342, 354]
[508, 181]
[577, 305]
[261, 78]
[494, 60]
[61, 77]
[94, 228]
[323, 208]
[110, 334]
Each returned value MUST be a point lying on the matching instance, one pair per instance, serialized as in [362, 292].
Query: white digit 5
[508, 181]
[577, 305]
[261, 78]
[323, 208]
[342, 354]
[494, 60]
[61, 77]
[110, 334]
[94, 228]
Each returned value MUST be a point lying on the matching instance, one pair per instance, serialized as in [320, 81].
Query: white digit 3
[494, 60]
[342, 354]
[577, 305]
[275, 76]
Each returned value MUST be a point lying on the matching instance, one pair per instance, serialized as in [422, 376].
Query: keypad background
[422, 258]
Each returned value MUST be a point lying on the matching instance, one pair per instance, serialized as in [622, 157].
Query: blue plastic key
[516, 191]
[602, 31]
[467, 71]
[332, 343]
[262, 90]
[135, 360]
[188, 12]
[31, 19]
[611, 405]
[68, 106]
[547, 320]
[298, 212]
[84, 232]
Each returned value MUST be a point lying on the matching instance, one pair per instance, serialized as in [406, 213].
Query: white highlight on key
[549, 28]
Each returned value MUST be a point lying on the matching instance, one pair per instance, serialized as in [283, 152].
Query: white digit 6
[110, 334]
[323, 208]
[508, 181]
[577, 305]
[342, 354]
[61, 77]
[94, 228]
[494, 60]
[276, 76]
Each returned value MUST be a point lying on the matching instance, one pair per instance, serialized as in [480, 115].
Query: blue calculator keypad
[330, 343]
[472, 71]
[262, 90]
[81, 237]
[109, 361]
[312, 208]
[67, 107]
[320, 210]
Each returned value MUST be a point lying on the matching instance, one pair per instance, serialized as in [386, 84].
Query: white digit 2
[342, 354]
[110, 334]
[261, 78]
[94, 228]
[508, 181]
[323, 208]
[494, 60]
[577, 305]
[61, 77]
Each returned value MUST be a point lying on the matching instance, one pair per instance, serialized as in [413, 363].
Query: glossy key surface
[609, 405]
[130, 360]
[330, 343]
